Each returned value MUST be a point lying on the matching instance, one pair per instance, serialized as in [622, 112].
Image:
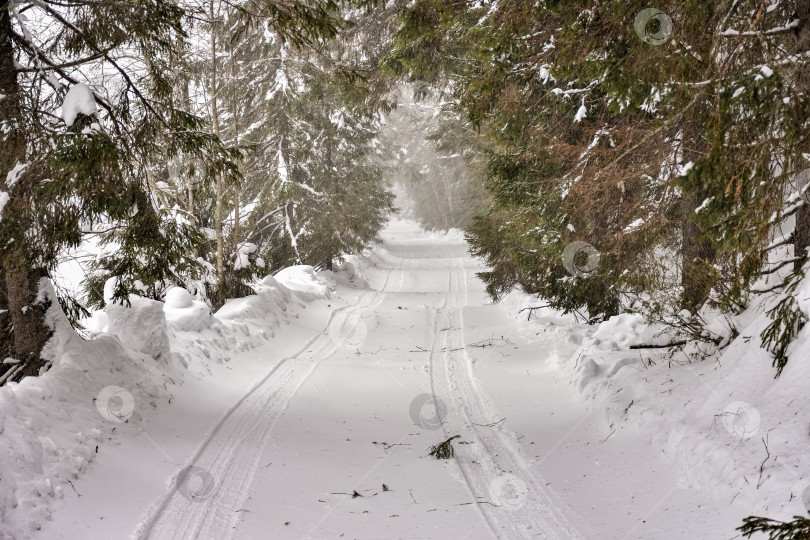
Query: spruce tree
[669, 140]
[65, 176]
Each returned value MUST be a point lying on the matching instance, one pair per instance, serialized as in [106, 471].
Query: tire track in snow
[232, 450]
[491, 454]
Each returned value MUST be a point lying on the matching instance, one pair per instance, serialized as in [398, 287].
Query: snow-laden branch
[789, 27]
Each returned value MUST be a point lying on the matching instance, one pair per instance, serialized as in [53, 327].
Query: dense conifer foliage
[668, 143]
[194, 144]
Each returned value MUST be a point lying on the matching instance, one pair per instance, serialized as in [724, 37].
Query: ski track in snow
[231, 453]
[488, 455]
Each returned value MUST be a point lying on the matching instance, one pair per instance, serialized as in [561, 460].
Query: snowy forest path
[325, 430]
[349, 444]
[513, 500]
[225, 463]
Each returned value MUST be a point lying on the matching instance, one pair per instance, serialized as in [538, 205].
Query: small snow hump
[79, 99]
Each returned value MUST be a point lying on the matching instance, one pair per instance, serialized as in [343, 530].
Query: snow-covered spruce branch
[131, 86]
[788, 28]
[32, 49]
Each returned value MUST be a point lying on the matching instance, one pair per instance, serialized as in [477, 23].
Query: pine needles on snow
[443, 450]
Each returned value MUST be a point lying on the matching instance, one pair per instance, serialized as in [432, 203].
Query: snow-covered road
[325, 431]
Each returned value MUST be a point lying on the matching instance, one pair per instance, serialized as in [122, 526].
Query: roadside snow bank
[302, 278]
[106, 388]
[52, 426]
[726, 422]
[141, 326]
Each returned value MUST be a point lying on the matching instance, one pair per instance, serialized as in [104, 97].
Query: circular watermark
[195, 483]
[657, 334]
[580, 258]
[348, 333]
[741, 419]
[428, 411]
[653, 26]
[115, 404]
[508, 491]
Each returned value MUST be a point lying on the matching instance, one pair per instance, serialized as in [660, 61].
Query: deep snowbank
[103, 389]
[725, 421]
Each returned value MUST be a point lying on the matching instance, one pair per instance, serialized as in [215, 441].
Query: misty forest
[400, 269]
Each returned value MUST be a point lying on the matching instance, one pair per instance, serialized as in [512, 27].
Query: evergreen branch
[147, 103]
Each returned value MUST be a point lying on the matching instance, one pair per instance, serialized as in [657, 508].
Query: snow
[706, 202]
[301, 278]
[634, 225]
[283, 174]
[79, 99]
[715, 421]
[544, 74]
[141, 326]
[261, 420]
[243, 255]
[14, 174]
[183, 312]
[178, 298]
[4, 197]
[582, 112]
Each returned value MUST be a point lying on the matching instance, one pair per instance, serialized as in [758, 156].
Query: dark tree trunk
[697, 256]
[27, 316]
[19, 297]
[330, 254]
[6, 333]
[801, 234]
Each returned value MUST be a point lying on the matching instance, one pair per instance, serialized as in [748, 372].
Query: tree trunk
[698, 256]
[27, 317]
[215, 124]
[6, 331]
[235, 120]
[21, 287]
[330, 253]
[801, 233]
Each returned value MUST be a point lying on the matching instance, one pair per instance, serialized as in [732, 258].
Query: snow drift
[101, 388]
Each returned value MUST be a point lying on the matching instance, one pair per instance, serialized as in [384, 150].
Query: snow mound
[101, 391]
[79, 99]
[268, 301]
[353, 275]
[51, 426]
[619, 332]
[141, 326]
[182, 312]
[268, 281]
[717, 419]
[302, 278]
[178, 298]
